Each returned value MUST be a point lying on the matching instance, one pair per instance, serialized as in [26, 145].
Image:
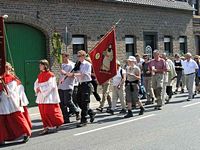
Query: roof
[158, 3]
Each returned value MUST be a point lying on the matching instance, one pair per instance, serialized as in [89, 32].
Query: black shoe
[78, 116]
[99, 109]
[82, 124]
[123, 111]
[148, 103]
[167, 101]
[92, 117]
[188, 99]
[26, 139]
[2, 143]
[182, 91]
[110, 111]
[141, 111]
[129, 114]
[143, 97]
[108, 108]
[66, 121]
[158, 108]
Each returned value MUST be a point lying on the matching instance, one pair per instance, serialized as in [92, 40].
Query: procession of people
[58, 100]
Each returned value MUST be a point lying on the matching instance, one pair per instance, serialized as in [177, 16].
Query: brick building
[169, 25]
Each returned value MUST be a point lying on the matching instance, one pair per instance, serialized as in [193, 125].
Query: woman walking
[48, 99]
[13, 123]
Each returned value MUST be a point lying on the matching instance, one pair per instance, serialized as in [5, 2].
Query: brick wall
[94, 18]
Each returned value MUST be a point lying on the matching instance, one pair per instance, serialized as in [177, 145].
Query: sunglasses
[79, 55]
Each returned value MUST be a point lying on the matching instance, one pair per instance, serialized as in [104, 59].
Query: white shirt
[85, 70]
[189, 66]
[69, 81]
[118, 77]
[139, 64]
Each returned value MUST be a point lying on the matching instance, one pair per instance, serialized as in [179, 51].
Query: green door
[25, 46]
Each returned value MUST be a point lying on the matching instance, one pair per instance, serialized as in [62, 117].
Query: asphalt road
[176, 127]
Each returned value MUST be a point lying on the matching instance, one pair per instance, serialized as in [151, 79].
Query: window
[183, 44]
[197, 44]
[168, 45]
[79, 43]
[150, 42]
[130, 45]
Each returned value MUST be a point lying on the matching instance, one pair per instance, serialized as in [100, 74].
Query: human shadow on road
[69, 126]
[35, 127]
[12, 144]
[36, 120]
[180, 96]
[116, 118]
[103, 115]
[176, 102]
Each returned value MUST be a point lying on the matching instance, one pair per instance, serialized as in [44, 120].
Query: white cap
[118, 62]
[131, 58]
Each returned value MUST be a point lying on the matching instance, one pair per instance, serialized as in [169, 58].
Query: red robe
[25, 113]
[13, 125]
[51, 114]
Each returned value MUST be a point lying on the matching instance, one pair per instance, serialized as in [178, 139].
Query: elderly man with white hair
[118, 89]
[169, 76]
[190, 67]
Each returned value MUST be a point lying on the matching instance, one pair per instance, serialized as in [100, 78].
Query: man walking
[84, 88]
[189, 68]
[158, 68]
[65, 89]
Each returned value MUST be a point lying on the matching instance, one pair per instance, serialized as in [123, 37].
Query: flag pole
[117, 22]
[114, 26]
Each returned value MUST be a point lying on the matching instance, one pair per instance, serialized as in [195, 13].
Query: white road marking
[191, 104]
[113, 125]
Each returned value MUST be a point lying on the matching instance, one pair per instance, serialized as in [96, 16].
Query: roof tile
[159, 3]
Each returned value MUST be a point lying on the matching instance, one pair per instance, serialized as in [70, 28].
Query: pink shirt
[159, 64]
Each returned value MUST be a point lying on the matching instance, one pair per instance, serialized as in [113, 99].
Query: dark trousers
[96, 95]
[179, 78]
[66, 102]
[83, 99]
[74, 95]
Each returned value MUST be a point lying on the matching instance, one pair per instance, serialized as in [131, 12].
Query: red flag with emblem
[103, 57]
[2, 47]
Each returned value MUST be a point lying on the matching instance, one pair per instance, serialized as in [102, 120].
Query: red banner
[103, 57]
[2, 47]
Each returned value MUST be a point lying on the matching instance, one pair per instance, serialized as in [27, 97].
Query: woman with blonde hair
[13, 123]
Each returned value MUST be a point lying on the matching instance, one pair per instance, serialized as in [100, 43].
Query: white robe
[49, 92]
[23, 99]
[10, 103]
